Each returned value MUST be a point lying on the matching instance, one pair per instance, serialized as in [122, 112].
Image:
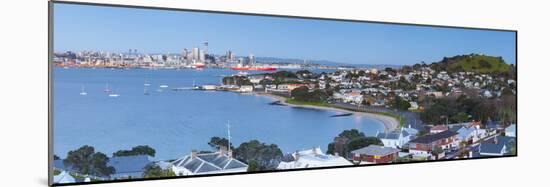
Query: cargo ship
[198, 65]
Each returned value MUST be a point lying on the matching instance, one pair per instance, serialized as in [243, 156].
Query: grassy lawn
[296, 102]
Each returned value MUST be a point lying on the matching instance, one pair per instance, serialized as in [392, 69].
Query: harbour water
[176, 122]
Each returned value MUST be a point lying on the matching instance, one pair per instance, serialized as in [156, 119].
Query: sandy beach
[390, 123]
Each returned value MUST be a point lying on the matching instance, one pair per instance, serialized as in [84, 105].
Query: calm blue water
[174, 123]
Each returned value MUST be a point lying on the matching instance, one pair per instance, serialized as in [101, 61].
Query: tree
[137, 150]
[252, 166]
[86, 161]
[349, 140]
[267, 157]
[400, 104]
[437, 150]
[216, 142]
[460, 117]
[301, 93]
[352, 134]
[511, 149]
[154, 171]
[55, 157]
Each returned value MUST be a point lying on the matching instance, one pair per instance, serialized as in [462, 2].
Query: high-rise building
[251, 59]
[185, 54]
[196, 53]
[202, 56]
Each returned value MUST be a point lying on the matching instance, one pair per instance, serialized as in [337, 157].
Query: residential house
[425, 144]
[312, 158]
[208, 163]
[497, 146]
[396, 139]
[375, 154]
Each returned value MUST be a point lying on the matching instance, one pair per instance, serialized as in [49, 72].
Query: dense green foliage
[252, 166]
[86, 161]
[266, 157]
[472, 63]
[303, 94]
[236, 80]
[281, 75]
[355, 140]
[154, 171]
[137, 150]
[216, 142]
[466, 108]
[400, 104]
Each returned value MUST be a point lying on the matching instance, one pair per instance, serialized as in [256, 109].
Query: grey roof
[208, 162]
[434, 137]
[392, 135]
[376, 150]
[129, 164]
[495, 146]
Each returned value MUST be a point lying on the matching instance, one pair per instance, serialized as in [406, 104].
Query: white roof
[63, 177]
[313, 158]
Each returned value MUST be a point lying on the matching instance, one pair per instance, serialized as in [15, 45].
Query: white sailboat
[82, 91]
[107, 89]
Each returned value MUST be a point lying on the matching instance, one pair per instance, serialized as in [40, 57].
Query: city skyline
[157, 31]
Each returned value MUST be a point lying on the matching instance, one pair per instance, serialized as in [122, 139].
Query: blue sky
[82, 27]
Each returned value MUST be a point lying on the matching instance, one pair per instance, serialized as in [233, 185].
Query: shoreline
[390, 123]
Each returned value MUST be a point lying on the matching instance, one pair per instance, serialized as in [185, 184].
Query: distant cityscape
[197, 57]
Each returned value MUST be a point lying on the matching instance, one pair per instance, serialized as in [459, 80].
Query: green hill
[474, 63]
